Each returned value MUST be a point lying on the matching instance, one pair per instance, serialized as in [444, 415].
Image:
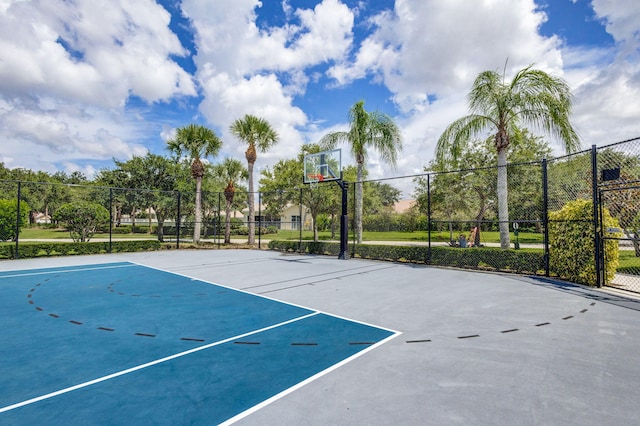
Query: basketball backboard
[322, 166]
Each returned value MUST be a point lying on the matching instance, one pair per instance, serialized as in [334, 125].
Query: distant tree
[258, 134]
[366, 130]
[232, 172]
[197, 142]
[532, 98]
[463, 188]
[82, 219]
[381, 196]
[154, 177]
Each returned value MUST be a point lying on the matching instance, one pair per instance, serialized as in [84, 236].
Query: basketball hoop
[313, 179]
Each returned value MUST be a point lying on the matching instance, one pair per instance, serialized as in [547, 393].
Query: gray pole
[17, 253]
[596, 219]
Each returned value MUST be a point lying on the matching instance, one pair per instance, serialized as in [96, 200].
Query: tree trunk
[227, 222]
[229, 195]
[358, 218]
[481, 211]
[196, 226]
[250, 196]
[503, 206]
[315, 228]
[118, 215]
[160, 229]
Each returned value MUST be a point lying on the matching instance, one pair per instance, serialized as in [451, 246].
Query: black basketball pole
[344, 220]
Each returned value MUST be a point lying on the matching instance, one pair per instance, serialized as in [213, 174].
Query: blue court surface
[122, 343]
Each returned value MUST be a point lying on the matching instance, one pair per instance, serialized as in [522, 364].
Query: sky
[83, 81]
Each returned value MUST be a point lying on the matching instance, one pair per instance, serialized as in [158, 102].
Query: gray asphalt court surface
[474, 349]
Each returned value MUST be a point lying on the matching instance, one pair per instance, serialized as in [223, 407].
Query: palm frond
[460, 134]
[255, 131]
[331, 140]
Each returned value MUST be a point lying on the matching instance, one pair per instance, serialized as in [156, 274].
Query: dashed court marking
[510, 330]
[469, 336]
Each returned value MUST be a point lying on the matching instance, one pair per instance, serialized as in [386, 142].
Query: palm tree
[197, 142]
[366, 129]
[532, 98]
[259, 135]
[231, 171]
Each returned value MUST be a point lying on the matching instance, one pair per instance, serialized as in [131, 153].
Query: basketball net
[313, 180]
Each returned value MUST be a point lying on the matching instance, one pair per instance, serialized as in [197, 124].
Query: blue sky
[84, 82]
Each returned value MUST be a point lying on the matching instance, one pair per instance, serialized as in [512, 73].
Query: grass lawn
[629, 263]
[37, 233]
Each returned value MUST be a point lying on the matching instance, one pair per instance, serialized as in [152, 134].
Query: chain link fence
[445, 218]
[618, 174]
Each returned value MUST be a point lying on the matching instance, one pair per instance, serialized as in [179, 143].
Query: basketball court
[259, 337]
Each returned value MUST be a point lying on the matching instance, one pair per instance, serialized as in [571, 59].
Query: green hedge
[571, 235]
[7, 251]
[484, 258]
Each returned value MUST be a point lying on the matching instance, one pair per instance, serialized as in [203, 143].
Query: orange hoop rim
[315, 177]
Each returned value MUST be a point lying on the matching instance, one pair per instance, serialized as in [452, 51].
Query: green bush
[8, 213]
[486, 258]
[121, 230]
[7, 251]
[82, 219]
[571, 248]
[243, 230]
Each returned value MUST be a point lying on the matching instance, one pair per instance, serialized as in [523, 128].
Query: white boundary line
[66, 271]
[149, 364]
[249, 411]
[297, 386]
[316, 376]
[269, 298]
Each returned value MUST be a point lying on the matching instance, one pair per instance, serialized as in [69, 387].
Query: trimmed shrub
[571, 236]
[7, 251]
[486, 258]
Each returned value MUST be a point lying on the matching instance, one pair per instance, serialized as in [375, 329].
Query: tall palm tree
[366, 130]
[197, 142]
[260, 136]
[231, 171]
[533, 98]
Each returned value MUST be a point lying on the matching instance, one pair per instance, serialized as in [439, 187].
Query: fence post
[177, 223]
[259, 219]
[17, 252]
[545, 215]
[596, 220]
[428, 260]
[300, 222]
[110, 217]
[354, 219]
[219, 224]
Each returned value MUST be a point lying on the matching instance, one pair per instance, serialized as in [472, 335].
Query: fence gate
[622, 202]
